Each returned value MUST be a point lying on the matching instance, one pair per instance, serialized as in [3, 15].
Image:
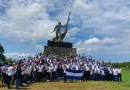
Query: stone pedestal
[60, 48]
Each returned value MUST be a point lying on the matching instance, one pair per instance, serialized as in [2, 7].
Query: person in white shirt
[40, 70]
[110, 74]
[64, 68]
[34, 71]
[103, 74]
[54, 73]
[115, 74]
[91, 74]
[99, 73]
[95, 73]
[119, 74]
[11, 71]
[87, 72]
[4, 76]
[49, 72]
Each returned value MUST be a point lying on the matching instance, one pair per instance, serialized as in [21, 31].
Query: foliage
[121, 65]
[2, 57]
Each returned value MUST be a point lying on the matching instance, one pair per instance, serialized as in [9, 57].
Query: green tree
[2, 57]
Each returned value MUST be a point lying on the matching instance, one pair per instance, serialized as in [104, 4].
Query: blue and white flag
[74, 74]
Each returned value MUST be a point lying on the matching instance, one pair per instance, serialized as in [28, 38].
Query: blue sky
[100, 28]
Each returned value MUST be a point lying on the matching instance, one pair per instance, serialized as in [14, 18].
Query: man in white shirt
[11, 71]
[115, 74]
[40, 70]
[4, 76]
[110, 74]
[119, 74]
[54, 74]
[64, 68]
[49, 72]
[87, 72]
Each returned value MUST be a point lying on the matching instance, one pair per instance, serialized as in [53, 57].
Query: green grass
[87, 85]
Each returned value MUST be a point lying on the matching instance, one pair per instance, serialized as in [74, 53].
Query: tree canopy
[2, 57]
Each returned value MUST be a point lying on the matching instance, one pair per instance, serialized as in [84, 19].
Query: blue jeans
[99, 76]
[91, 76]
[115, 77]
[18, 80]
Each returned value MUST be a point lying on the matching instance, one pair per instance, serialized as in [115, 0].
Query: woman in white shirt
[119, 74]
[54, 74]
[103, 74]
[40, 70]
[11, 71]
[115, 74]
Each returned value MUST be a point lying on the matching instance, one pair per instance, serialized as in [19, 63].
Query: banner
[74, 74]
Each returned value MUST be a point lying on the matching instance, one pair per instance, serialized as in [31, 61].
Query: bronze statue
[60, 36]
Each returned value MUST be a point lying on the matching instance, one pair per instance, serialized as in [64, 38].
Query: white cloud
[94, 44]
[32, 21]
[16, 55]
[40, 47]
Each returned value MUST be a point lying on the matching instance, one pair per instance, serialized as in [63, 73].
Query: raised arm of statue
[68, 19]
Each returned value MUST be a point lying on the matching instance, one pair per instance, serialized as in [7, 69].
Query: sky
[100, 28]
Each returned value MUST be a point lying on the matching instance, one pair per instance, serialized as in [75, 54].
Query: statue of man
[59, 26]
[57, 29]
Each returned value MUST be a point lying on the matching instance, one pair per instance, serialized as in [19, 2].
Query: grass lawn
[87, 85]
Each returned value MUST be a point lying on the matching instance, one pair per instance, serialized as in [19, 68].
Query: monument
[57, 46]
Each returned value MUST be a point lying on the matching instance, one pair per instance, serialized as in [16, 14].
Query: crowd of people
[42, 67]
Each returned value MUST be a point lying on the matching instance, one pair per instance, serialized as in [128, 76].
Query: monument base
[59, 44]
[60, 48]
[60, 51]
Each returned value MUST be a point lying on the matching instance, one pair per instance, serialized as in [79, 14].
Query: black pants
[45, 74]
[110, 77]
[39, 76]
[53, 75]
[14, 78]
[4, 78]
[48, 76]
[88, 75]
[85, 75]
[107, 76]
[64, 77]
[9, 80]
[95, 76]
[119, 77]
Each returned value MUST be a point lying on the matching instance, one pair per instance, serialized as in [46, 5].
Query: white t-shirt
[68, 66]
[49, 69]
[110, 71]
[92, 67]
[40, 68]
[3, 70]
[115, 72]
[11, 71]
[99, 71]
[119, 71]
[86, 67]
[76, 67]
[34, 69]
[102, 72]
[95, 70]
[54, 68]
[91, 71]
[64, 69]
[23, 72]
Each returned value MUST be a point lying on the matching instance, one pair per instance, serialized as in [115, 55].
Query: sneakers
[24, 84]
[17, 88]
[48, 80]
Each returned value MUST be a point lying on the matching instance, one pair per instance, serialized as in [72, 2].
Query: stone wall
[60, 50]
